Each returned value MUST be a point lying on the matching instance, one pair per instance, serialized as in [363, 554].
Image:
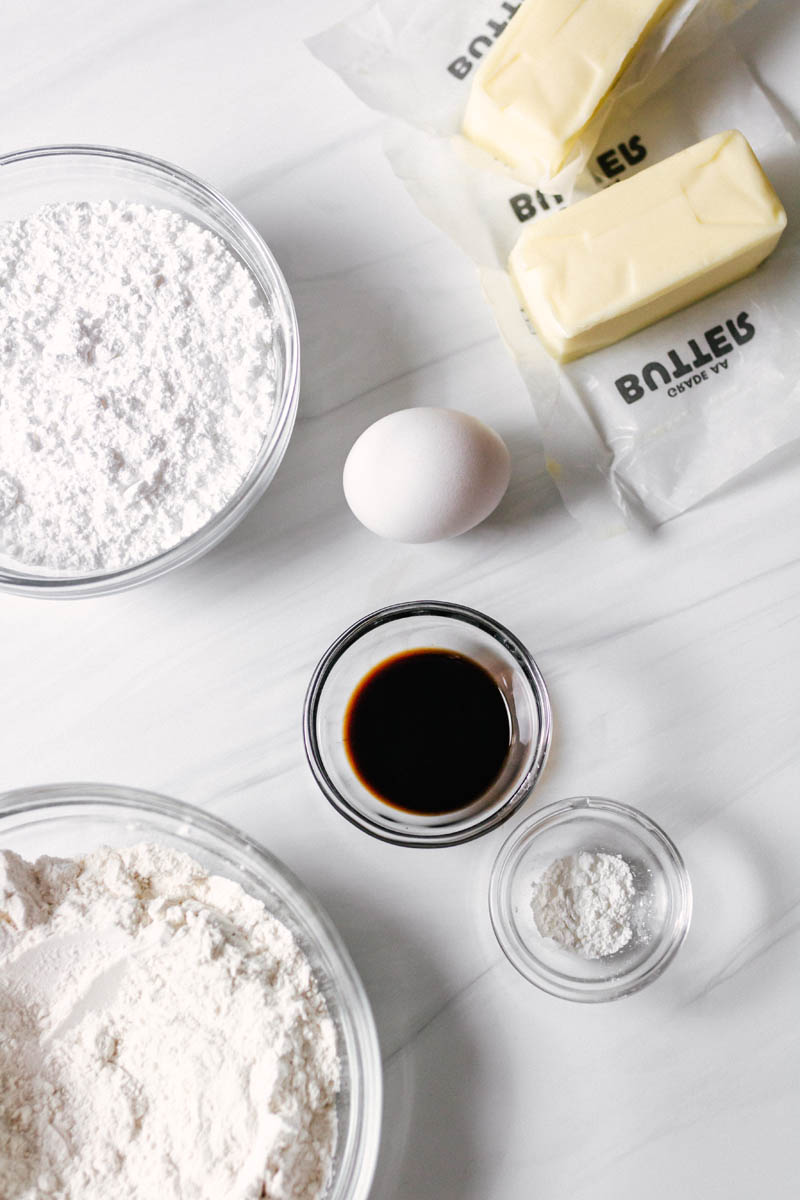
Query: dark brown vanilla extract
[427, 731]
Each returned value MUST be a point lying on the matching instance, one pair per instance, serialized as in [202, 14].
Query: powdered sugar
[137, 379]
[161, 1035]
[585, 902]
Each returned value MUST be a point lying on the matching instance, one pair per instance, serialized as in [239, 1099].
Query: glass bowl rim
[466, 616]
[270, 279]
[117, 797]
[561, 812]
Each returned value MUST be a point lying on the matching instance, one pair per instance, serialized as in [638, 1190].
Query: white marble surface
[673, 660]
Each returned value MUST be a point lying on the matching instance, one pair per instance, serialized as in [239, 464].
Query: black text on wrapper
[691, 366]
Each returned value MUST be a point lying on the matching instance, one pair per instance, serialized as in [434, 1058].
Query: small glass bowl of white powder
[149, 369]
[589, 899]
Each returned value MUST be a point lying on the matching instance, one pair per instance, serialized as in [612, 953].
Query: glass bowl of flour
[176, 1007]
[149, 369]
[590, 899]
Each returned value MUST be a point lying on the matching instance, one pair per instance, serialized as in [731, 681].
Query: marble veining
[672, 658]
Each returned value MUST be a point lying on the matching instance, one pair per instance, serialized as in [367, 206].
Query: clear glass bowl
[662, 904]
[55, 174]
[418, 625]
[71, 819]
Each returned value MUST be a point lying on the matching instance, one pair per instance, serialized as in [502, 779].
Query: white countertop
[673, 660]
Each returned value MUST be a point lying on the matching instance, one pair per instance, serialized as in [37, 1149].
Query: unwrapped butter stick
[548, 73]
[609, 265]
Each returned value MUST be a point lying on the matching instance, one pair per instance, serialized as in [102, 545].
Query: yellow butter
[547, 74]
[609, 265]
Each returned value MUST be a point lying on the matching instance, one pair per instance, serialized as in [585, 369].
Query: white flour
[161, 1036]
[137, 378]
[585, 902]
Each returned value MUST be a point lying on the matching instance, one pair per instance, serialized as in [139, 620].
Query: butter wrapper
[416, 60]
[649, 426]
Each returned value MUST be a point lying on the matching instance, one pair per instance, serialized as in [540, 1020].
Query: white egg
[422, 474]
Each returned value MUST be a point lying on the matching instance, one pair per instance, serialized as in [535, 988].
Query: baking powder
[137, 378]
[161, 1035]
[585, 902]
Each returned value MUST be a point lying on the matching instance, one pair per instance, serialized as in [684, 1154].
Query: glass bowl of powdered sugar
[149, 369]
[589, 899]
[179, 1015]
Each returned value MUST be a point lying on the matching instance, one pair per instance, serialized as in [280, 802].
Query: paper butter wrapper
[651, 425]
[415, 60]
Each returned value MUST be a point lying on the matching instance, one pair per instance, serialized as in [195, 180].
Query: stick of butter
[548, 73]
[609, 265]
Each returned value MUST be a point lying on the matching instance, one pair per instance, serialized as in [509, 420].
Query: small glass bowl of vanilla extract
[427, 724]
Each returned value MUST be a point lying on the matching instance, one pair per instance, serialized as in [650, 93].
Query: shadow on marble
[532, 495]
[743, 905]
[432, 1144]
[433, 1063]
